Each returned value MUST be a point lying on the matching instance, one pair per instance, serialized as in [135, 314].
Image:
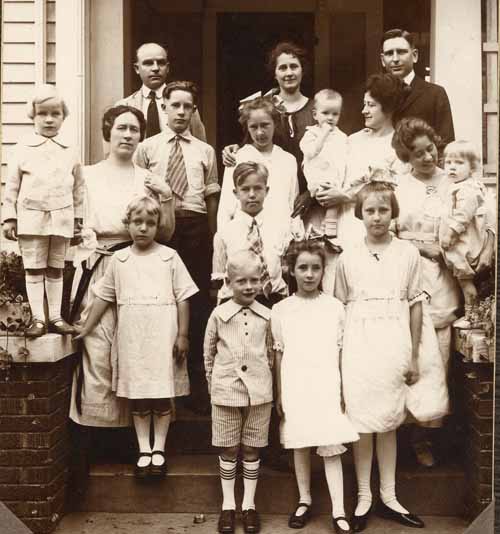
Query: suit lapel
[417, 88]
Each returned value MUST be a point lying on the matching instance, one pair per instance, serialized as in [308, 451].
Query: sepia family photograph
[248, 266]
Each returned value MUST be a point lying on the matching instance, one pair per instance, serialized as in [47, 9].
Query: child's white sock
[335, 481]
[363, 456]
[35, 292]
[302, 463]
[250, 477]
[142, 425]
[386, 456]
[54, 290]
[161, 423]
[227, 469]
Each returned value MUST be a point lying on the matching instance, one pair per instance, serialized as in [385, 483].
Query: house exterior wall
[28, 57]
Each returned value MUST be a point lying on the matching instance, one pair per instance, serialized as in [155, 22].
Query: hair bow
[313, 234]
[375, 174]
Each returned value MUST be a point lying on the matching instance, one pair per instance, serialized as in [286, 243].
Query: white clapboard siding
[19, 56]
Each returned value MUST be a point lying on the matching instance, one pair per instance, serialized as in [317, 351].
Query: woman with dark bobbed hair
[109, 186]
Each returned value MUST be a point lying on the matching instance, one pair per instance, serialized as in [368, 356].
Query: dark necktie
[152, 120]
[176, 170]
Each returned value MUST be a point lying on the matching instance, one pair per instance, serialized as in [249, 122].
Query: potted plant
[15, 311]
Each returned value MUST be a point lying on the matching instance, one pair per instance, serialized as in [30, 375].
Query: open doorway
[243, 43]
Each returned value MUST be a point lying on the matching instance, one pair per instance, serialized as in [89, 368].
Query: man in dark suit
[426, 101]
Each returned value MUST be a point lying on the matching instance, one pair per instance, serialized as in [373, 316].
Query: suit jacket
[429, 102]
[136, 100]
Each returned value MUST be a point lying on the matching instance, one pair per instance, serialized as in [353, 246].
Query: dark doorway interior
[243, 43]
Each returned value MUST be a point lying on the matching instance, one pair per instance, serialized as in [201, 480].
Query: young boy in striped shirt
[238, 361]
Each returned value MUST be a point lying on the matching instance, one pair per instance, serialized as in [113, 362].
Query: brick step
[193, 485]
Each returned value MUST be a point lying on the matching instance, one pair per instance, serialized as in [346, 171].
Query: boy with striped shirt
[238, 361]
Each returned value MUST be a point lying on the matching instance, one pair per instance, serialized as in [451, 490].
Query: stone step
[193, 486]
[132, 523]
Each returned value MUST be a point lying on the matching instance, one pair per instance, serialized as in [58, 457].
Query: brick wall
[475, 397]
[34, 441]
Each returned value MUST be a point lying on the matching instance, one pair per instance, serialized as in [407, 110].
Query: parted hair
[144, 202]
[395, 33]
[287, 47]
[183, 85]
[407, 130]
[390, 92]
[379, 188]
[262, 102]
[110, 115]
[43, 93]
[244, 169]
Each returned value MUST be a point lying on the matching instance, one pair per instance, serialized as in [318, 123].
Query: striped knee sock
[227, 470]
[250, 477]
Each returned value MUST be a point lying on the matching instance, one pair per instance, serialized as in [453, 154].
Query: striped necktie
[176, 170]
[256, 246]
[152, 119]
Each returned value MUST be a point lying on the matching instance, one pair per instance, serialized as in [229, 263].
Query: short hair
[243, 170]
[287, 47]
[395, 33]
[261, 102]
[327, 94]
[43, 93]
[407, 130]
[138, 49]
[183, 85]
[379, 188]
[242, 257]
[110, 115]
[464, 149]
[313, 246]
[145, 202]
[389, 91]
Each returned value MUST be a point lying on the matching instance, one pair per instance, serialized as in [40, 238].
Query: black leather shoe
[158, 471]
[251, 521]
[338, 529]
[358, 522]
[300, 521]
[142, 472]
[408, 520]
[226, 522]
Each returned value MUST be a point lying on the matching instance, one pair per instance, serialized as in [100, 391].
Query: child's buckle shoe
[338, 528]
[300, 521]
[251, 521]
[37, 328]
[142, 472]
[60, 326]
[158, 471]
[226, 522]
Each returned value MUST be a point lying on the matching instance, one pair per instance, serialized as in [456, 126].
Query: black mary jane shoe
[142, 472]
[251, 521]
[158, 471]
[358, 522]
[225, 524]
[408, 520]
[338, 529]
[300, 521]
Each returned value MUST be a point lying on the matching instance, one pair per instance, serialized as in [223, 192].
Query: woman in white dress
[421, 194]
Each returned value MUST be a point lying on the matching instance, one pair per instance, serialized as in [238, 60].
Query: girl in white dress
[308, 380]
[379, 281]
[259, 119]
[150, 286]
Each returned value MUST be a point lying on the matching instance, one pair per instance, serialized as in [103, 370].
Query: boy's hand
[325, 129]
[77, 232]
[80, 331]
[448, 239]
[10, 229]
[228, 154]
[181, 348]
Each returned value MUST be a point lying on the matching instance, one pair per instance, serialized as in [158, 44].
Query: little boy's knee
[250, 454]
[230, 454]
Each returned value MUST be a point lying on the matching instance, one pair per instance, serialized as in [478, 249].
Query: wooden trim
[490, 107]
[490, 47]
[40, 41]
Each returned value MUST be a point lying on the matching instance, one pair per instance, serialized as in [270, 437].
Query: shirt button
[243, 368]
